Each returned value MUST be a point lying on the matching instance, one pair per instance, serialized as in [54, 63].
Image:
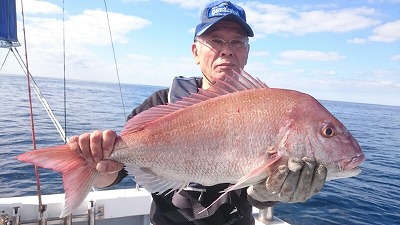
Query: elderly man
[221, 45]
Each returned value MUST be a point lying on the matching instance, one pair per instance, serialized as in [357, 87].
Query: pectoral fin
[248, 179]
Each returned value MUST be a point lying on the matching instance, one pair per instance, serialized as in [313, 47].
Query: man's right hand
[95, 147]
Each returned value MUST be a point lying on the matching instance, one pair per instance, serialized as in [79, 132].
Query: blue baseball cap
[222, 10]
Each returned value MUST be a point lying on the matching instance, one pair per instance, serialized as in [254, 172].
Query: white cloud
[320, 6]
[138, 57]
[357, 41]
[311, 55]
[379, 73]
[389, 32]
[272, 19]
[259, 53]
[134, 1]
[91, 27]
[82, 31]
[395, 58]
[327, 72]
[282, 62]
[88, 28]
[147, 72]
[384, 1]
[299, 71]
[188, 3]
[38, 7]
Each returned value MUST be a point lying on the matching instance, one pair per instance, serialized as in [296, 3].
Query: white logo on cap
[222, 9]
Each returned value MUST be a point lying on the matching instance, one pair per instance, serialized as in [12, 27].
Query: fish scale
[214, 142]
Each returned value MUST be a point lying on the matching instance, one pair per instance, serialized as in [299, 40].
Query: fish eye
[328, 131]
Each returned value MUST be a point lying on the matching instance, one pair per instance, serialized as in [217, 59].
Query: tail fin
[78, 177]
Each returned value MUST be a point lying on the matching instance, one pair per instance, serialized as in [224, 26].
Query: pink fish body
[236, 132]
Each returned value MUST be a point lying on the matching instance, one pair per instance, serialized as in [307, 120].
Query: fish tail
[78, 177]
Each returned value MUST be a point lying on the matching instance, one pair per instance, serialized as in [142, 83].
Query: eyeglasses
[218, 43]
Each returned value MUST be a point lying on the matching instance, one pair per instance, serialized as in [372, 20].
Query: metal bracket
[6, 220]
[100, 212]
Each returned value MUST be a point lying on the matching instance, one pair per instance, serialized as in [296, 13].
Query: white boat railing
[107, 207]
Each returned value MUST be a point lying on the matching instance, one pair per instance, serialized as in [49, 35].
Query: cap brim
[231, 17]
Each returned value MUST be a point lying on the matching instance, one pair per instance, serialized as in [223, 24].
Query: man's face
[217, 63]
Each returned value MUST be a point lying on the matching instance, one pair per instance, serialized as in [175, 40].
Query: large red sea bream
[237, 132]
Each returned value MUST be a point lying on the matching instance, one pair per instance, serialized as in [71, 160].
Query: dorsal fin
[238, 82]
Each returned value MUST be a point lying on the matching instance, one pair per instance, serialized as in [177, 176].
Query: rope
[39, 192]
[5, 59]
[115, 59]
[41, 97]
[65, 90]
[33, 84]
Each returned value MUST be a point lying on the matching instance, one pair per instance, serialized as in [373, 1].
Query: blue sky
[334, 50]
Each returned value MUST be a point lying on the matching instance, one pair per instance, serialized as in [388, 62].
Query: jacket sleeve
[157, 98]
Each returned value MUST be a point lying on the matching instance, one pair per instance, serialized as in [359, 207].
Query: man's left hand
[297, 181]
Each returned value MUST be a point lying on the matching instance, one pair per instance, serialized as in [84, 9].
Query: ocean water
[373, 197]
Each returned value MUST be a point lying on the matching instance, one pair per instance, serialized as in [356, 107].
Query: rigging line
[115, 59]
[5, 59]
[42, 99]
[39, 193]
[65, 90]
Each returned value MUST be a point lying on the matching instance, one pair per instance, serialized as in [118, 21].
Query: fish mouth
[346, 168]
[349, 164]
